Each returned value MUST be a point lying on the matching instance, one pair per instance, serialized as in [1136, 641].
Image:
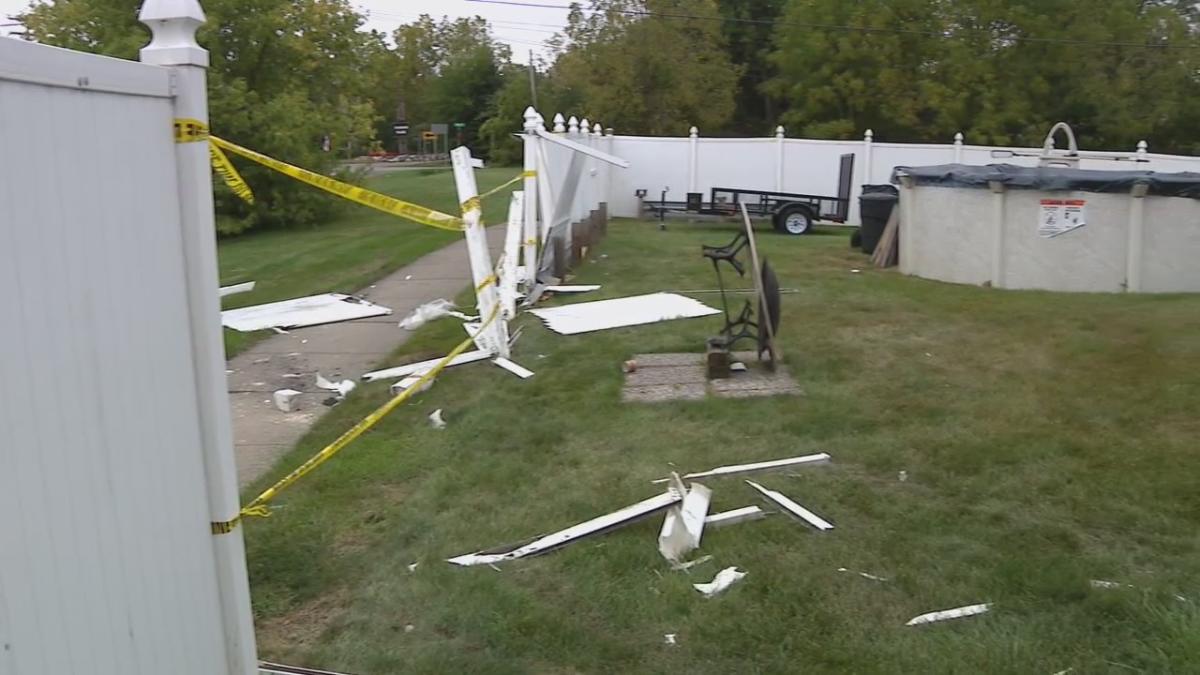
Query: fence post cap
[173, 25]
[597, 130]
[532, 119]
[584, 126]
[779, 131]
[1142, 146]
[693, 132]
[868, 135]
[609, 131]
[958, 137]
[573, 125]
[559, 120]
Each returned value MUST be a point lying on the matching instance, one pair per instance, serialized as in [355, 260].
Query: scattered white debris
[584, 317]
[902, 476]
[422, 367]
[596, 525]
[342, 388]
[947, 614]
[574, 289]
[236, 288]
[514, 368]
[864, 575]
[407, 277]
[1064, 672]
[413, 567]
[229, 372]
[279, 331]
[683, 526]
[784, 502]
[669, 638]
[724, 579]
[430, 311]
[738, 367]
[855, 271]
[629, 366]
[1100, 583]
[268, 668]
[929, 355]
[308, 311]
[286, 400]
[435, 418]
[742, 515]
[408, 628]
[739, 469]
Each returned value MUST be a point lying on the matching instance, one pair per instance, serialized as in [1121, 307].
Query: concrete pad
[692, 374]
[653, 360]
[683, 377]
[656, 393]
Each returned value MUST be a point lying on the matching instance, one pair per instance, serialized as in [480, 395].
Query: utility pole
[532, 81]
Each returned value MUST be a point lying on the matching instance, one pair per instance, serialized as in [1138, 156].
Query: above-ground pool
[1051, 228]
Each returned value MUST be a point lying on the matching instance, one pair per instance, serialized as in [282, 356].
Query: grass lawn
[1049, 439]
[347, 254]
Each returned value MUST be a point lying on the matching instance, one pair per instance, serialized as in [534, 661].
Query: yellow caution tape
[476, 203]
[491, 279]
[259, 506]
[227, 172]
[188, 130]
[375, 200]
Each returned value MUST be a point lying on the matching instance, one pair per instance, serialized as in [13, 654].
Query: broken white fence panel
[236, 288]
[683, 526]
[494, 338]
[512, 251]
[514, 368]
[425, 366]
[308, 311]
[742, 515]
[784, 502]
[583, 149]
[584, 317]
[724, 579]
[947, 614]
[581, 288]
[410, 381]
[757, 467]
[596, 525]
[436, 420]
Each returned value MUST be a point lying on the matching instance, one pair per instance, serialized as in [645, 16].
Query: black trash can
[874, 207]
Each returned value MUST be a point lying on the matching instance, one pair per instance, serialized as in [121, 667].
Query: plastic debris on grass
[724, 579]
[431, 311]
[948, 614]
[436, 420]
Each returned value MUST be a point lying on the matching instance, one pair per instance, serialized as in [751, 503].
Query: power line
[840, 27]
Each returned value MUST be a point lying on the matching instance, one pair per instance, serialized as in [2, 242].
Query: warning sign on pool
[1059, 216]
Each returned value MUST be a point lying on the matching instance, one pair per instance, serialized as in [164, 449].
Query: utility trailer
[790, 212]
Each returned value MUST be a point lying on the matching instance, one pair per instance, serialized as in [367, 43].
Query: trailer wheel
[794, 219]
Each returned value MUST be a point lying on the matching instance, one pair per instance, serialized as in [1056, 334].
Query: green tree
[642, 73]
[284, 76]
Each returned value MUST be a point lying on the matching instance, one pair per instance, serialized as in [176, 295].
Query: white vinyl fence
[694, 163]
[116, 453]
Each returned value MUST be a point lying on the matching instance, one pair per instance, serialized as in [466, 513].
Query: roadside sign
[400, 129]
[440, 128]
[459, 125]
[429, 135]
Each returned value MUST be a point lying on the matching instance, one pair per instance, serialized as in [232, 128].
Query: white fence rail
[116, 454]
[694, 163]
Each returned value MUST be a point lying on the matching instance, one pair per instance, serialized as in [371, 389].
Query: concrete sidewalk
[261, 433]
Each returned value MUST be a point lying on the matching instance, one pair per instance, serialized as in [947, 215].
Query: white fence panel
[107, 561]
[654, 163]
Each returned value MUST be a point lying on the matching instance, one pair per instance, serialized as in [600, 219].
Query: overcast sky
[523, 28]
